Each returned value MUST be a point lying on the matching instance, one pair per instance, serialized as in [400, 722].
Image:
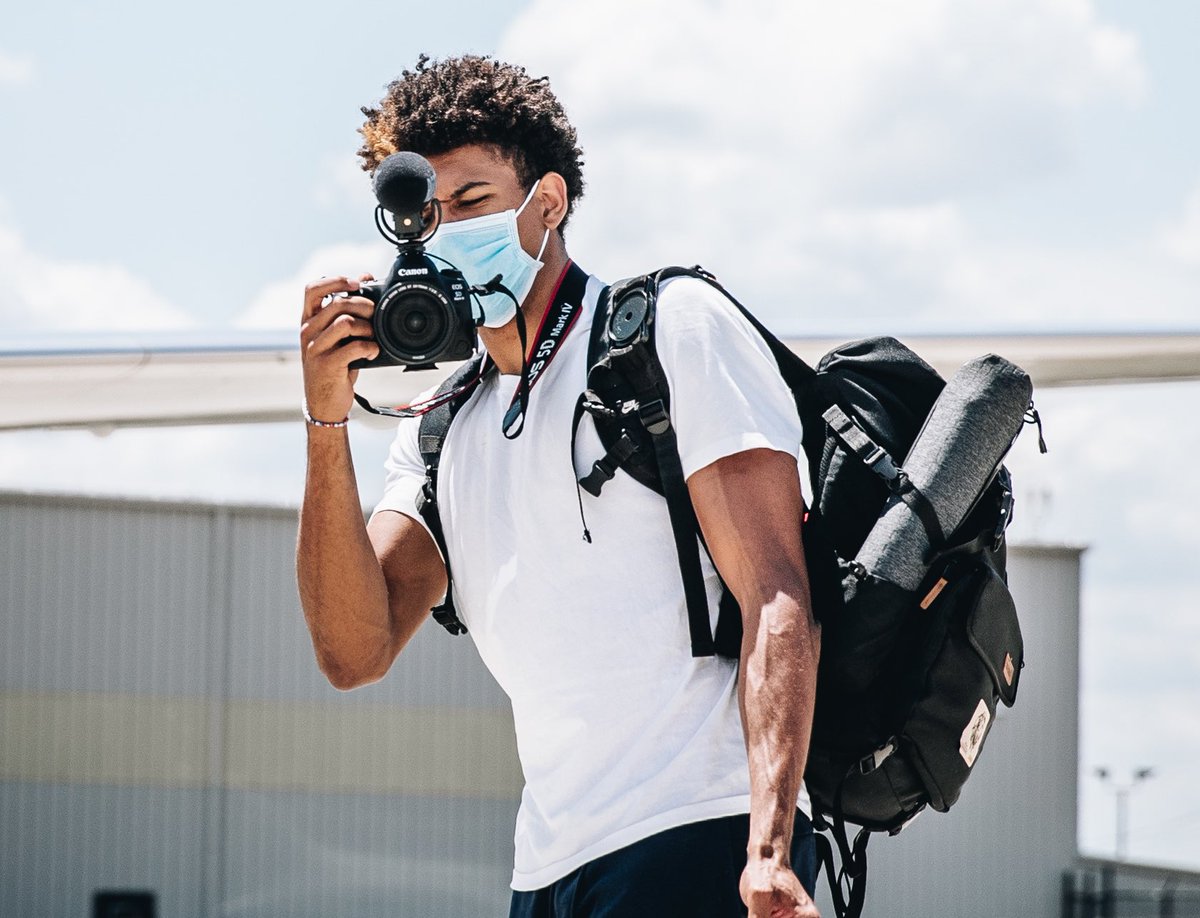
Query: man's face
[474, 180]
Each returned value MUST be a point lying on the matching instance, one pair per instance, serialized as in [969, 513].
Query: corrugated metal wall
[163, 726]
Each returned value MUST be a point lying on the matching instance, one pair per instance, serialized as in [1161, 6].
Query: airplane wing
[106, 382]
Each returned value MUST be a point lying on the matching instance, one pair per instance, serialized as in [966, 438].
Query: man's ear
[552, 195]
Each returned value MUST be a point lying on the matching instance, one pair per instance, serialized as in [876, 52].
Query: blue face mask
[483, 247]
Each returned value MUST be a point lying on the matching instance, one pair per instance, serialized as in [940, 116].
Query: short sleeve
[405, 472]
[727, 394]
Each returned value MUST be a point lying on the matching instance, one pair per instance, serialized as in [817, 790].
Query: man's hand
[364, 591]
[325, 354]
[771, 890]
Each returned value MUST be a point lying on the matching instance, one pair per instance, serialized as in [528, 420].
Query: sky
[847, 169]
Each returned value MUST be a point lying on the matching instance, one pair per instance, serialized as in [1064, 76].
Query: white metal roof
[107, 382]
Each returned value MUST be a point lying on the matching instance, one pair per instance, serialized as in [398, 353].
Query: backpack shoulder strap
[795, 372]
[626, 382]
[629, 397]
[805, 384]
[435, 425]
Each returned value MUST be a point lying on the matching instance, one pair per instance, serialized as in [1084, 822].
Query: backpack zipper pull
[587, 535]
[1032, 417]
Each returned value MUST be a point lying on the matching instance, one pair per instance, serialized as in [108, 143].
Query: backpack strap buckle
[428, 493]
[868, 763]
[604, 468]
[445, 615]
[654, 417]
[877, 459]
[881, 464]
[594, 405]
[870, 453]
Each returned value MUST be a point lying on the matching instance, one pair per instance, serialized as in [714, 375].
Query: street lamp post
[1121, 790]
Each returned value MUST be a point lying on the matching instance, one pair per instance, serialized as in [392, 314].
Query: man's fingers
[775, 892]
[342, 327]
[782, 905]
[358, 349]
[316, 291]
[338, 359]
[357, 306]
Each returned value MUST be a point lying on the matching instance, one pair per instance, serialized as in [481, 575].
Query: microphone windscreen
[404, 183]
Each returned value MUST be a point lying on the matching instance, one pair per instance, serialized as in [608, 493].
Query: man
[656, 783]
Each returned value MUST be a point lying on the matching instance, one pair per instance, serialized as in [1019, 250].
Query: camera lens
[412, 322]
[417, 322]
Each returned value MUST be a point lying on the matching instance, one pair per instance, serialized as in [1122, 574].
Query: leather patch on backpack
[934, 593]
[971, 740]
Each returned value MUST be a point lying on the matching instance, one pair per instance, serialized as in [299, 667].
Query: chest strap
[435, 425]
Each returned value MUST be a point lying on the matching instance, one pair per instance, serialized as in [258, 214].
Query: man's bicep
[412, 568]
[750, 508]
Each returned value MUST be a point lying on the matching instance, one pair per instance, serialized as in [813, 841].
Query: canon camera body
[422, 312]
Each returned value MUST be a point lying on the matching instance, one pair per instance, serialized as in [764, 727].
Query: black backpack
[910, 678]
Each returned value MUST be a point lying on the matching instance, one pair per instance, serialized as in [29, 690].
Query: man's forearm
[777, 684]
[342, 587]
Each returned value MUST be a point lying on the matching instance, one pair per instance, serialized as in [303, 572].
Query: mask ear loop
[528, 197]
[545, 235]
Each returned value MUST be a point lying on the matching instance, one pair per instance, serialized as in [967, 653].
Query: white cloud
[345, 185]
[828, 154]
[1119, 479]
[1033, 287]
[1141, 679]
[872, 93]
[15, 70]
[1130, 730]
[41, 293]
[278, 304]
[1118, 475]
[1168, 515]
[1181, 240]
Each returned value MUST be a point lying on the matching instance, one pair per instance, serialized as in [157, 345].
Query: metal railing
[1112, 889]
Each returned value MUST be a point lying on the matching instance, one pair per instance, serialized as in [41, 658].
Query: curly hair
[437, 107]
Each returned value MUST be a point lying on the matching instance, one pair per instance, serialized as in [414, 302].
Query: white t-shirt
[621, 732]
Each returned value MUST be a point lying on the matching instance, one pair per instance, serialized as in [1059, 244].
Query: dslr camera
[422, 311]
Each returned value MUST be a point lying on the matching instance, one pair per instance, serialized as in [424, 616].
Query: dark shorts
[690, 870]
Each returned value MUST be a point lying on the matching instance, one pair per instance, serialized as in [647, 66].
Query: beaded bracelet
[315, 423]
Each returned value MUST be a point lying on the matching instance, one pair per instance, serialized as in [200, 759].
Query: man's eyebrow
[463, 189]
